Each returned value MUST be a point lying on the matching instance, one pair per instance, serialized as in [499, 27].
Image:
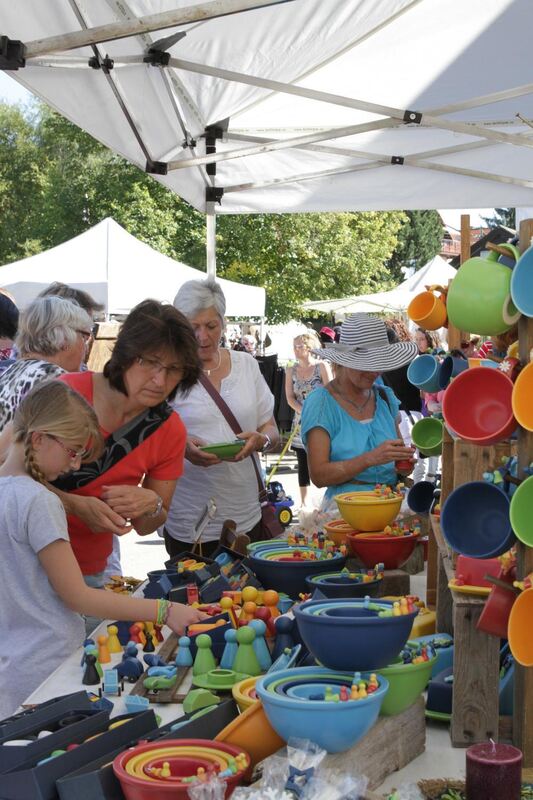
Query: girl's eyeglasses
[72, 454]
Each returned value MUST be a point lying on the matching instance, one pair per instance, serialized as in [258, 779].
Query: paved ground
[140, 554]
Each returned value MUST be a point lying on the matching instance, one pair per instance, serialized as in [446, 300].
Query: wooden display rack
[476, 655]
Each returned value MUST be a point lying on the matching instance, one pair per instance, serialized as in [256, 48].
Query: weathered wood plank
[392, 743]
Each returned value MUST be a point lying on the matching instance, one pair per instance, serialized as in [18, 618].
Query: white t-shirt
[38, 630]
[233, 486]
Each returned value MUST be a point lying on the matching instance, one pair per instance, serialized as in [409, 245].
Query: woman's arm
[325, 472]
[289, 391]
[256, 440]
[138, 503]
[61, 567]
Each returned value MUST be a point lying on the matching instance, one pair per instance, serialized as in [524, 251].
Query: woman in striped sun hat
[350, 426]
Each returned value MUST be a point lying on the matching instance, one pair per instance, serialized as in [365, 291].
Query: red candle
[493, 771]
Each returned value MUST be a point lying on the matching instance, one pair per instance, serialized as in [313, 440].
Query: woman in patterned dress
[305, 375]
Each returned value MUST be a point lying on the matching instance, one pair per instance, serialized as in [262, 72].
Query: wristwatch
[158, 508]
[268, 443]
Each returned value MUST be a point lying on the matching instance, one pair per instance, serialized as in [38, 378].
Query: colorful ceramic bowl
[344, 584]
[406, 683]
[337, 530]
[391, 551]
[367, 511]
[335, 726]
[346, 635]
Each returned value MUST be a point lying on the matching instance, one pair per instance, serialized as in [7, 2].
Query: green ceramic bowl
[224, 449]
[406, 683]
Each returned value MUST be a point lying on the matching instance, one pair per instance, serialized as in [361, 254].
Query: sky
[13, 92]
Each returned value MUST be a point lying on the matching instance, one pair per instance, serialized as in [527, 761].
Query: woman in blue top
[350, 426]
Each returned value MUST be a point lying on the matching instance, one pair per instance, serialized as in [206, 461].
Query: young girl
[42, 591]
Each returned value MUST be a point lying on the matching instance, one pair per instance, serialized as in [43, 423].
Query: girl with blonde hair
[42, 591]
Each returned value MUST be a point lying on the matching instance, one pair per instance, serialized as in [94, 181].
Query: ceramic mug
[522, 283]
[479, 298]
[428, 309]
[423, 373]
[426, 434]
[449, 368]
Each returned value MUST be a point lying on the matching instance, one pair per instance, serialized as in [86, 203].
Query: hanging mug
[428, 309]
[522, 283]
[479, 298]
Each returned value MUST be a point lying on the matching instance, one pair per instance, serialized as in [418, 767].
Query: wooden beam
[147, 24]
[523, 684]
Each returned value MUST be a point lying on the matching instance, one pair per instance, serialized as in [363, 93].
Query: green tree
[299, 257]
[502, 216]
[419, 240]
[21, 184]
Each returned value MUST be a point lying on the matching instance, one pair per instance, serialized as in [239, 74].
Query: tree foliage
[56, 181]
[502, 216]
[419, 240]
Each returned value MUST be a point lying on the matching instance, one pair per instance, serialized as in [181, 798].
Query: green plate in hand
[224, 449]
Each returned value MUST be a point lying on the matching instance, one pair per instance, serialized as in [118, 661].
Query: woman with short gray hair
[235, 377]
[51, 339]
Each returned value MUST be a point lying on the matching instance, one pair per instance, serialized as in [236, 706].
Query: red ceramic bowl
[477, 406]
[389, 550]
[137, 788]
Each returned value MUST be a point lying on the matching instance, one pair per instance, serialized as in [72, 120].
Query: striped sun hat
[364, 345]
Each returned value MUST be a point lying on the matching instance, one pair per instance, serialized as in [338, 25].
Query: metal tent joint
[414, 117]
[105, 64]
[156, 167]
[157, 58]
[213, 194]
[12, 53]
[399, 160]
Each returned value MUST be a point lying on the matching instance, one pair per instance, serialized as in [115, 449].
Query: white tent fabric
[319, 97]
[119, 271]
[435, 272]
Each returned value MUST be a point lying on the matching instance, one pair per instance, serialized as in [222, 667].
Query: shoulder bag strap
[230, 418]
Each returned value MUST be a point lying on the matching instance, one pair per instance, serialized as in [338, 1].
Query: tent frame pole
[211, 244]
[147, 24]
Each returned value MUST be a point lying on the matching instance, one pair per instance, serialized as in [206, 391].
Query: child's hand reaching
[180, 616]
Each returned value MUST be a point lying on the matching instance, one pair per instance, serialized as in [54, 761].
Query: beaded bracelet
[163, 610]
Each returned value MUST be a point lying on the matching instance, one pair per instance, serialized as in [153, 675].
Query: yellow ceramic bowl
[365, 511]
[337, 530]
[521, 398]
[241, 693]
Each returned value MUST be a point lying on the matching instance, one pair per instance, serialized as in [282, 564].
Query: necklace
[214, 369]
[358, 406]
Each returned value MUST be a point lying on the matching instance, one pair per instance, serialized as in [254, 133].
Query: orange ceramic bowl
[337, 530]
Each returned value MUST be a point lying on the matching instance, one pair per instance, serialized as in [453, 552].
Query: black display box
[30, 718]
[31, 781]
[97, 781]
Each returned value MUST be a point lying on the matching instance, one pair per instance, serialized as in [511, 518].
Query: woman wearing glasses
[232, 379]
[51, 339]
[131, 484]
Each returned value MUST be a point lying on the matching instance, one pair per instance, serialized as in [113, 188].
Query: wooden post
[523, 684]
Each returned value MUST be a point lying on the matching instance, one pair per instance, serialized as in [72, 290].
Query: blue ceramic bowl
[334, 726]
[289, 576]
[343, 638]
[475, 520]
[339, 584]
[522, 283]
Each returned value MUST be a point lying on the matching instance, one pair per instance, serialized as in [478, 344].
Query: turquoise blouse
[350, 437]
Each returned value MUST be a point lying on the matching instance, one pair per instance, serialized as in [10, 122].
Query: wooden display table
[476, 664]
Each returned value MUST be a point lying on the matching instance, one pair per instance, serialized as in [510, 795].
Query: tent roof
[437, 271]
[119, 271]
[320, 99]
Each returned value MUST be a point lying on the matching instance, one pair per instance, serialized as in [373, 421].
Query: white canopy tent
[322, 105]
[435, 272]
[119, 271]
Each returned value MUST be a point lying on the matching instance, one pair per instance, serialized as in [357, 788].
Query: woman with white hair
[51, 339]
[236, 378]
